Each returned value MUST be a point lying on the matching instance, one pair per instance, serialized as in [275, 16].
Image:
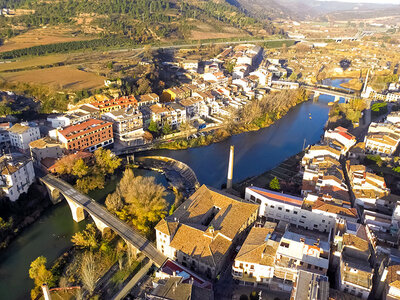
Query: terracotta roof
[278, 196]
[353, 241]
[256, 249]
[77, 130]
[335, 209]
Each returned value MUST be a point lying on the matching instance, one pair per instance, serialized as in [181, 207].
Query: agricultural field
[204, 30]
[44, 36]
[32, 62]
[60, 78]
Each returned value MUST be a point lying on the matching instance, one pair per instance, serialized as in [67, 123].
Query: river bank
[265, 120]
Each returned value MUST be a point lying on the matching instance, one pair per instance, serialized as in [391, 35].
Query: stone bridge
[81, 205]
[330, 91]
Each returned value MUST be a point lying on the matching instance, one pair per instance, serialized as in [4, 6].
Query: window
[252, 197]
[323, 221]
[315, 225]
[295, 212]
[287, 210]
[279, 208]
[272, 206]
[285, 245]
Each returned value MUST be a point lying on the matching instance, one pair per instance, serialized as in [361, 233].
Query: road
[94, 209]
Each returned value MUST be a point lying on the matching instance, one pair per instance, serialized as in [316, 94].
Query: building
[108, 105]
[17, 174]
[22, 134]
[202, 233]
[355, 272]
[310, 286]
[45, 148]
[127, 125]
[148, 99]
[255, 262]
[177, 288]
[320, 150]
[393, 117]
[381, 143]
[174, 94]
[276, 206]
[341, 136]
[89, 135]
[392, 283]
[4, 135]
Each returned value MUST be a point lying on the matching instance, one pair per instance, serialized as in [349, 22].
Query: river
[255, 153]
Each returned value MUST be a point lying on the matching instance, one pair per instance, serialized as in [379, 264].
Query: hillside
[140, 21]
[312, 9]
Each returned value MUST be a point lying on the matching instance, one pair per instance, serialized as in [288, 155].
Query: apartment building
[89, 135]
[22, 134]
[202, 233]
[310, 286]
[107, 105]
[45, 148]
[127, 125]
[341, 136]
[381, 143]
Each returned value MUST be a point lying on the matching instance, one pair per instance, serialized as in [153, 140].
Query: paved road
[93, 208]
[135, 279]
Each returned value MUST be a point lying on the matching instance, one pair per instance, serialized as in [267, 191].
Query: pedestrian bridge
[80, 203]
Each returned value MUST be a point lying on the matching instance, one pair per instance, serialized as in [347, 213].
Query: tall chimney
[230, 169]
[46, 292]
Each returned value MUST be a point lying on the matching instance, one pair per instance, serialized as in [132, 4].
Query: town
[129, 220]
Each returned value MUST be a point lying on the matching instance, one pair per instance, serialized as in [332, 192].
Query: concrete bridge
[80, 203]
[330, 91]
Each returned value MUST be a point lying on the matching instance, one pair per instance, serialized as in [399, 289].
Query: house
[301, 250]
[393, 117]
[45, 148]
[320, 150]
[22, 134]
[355, 272]
[381, 143]
[4, 135]
[107, 105]
[310, 286]
[255, 262]
[392, 283]
[89, 135]
[148, 99]
[177, 288]
[195, 107]
[127, 125]
[16, 175]
[342, 136]
[190, 65]
[202, 233]
[174, 94]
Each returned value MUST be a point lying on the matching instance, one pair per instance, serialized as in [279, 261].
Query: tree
[144, 199]
[79, 168]
[274, 184]
[166, 129]
[40, 275]
[89, 271]
[106, 161]
[89, 183]
[86, 238]
[293, 76]
[153, 127]
[114, 201]
[65, 165]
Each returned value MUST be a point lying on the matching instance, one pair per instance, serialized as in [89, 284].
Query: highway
[93, 208]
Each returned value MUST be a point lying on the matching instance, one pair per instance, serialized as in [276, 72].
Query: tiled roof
[354, 241]
[256, 249]
[335, 209]
[393, 276]
[85, 127]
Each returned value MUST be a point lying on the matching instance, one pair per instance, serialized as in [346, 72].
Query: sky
[369, 1]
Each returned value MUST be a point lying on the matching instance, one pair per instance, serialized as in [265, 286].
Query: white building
[341, 136]
[17, 174]
[22, 134]
[382, 144]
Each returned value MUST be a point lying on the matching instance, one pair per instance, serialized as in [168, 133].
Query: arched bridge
[330, 91]
[79, 203]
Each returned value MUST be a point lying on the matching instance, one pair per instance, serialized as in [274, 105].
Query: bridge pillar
[316, 96]
[132, 250]
[78, 213]
[337, 98]
[54, 194]
[100, 224]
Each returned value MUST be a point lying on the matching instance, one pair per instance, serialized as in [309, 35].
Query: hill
[140, 21]
[312, 9]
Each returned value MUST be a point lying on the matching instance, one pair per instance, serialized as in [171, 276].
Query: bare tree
[89, 271]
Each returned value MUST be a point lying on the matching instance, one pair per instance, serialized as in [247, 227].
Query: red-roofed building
[89, 135]
[115, 104]
[340, 135]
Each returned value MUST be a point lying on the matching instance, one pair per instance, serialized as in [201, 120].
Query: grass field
[63, 78]
[42, 36]
[31, 62]
[219, 31]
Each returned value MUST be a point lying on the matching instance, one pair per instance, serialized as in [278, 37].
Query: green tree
[274, 184]
[153, 127]
[166, 129]
[87, 238]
